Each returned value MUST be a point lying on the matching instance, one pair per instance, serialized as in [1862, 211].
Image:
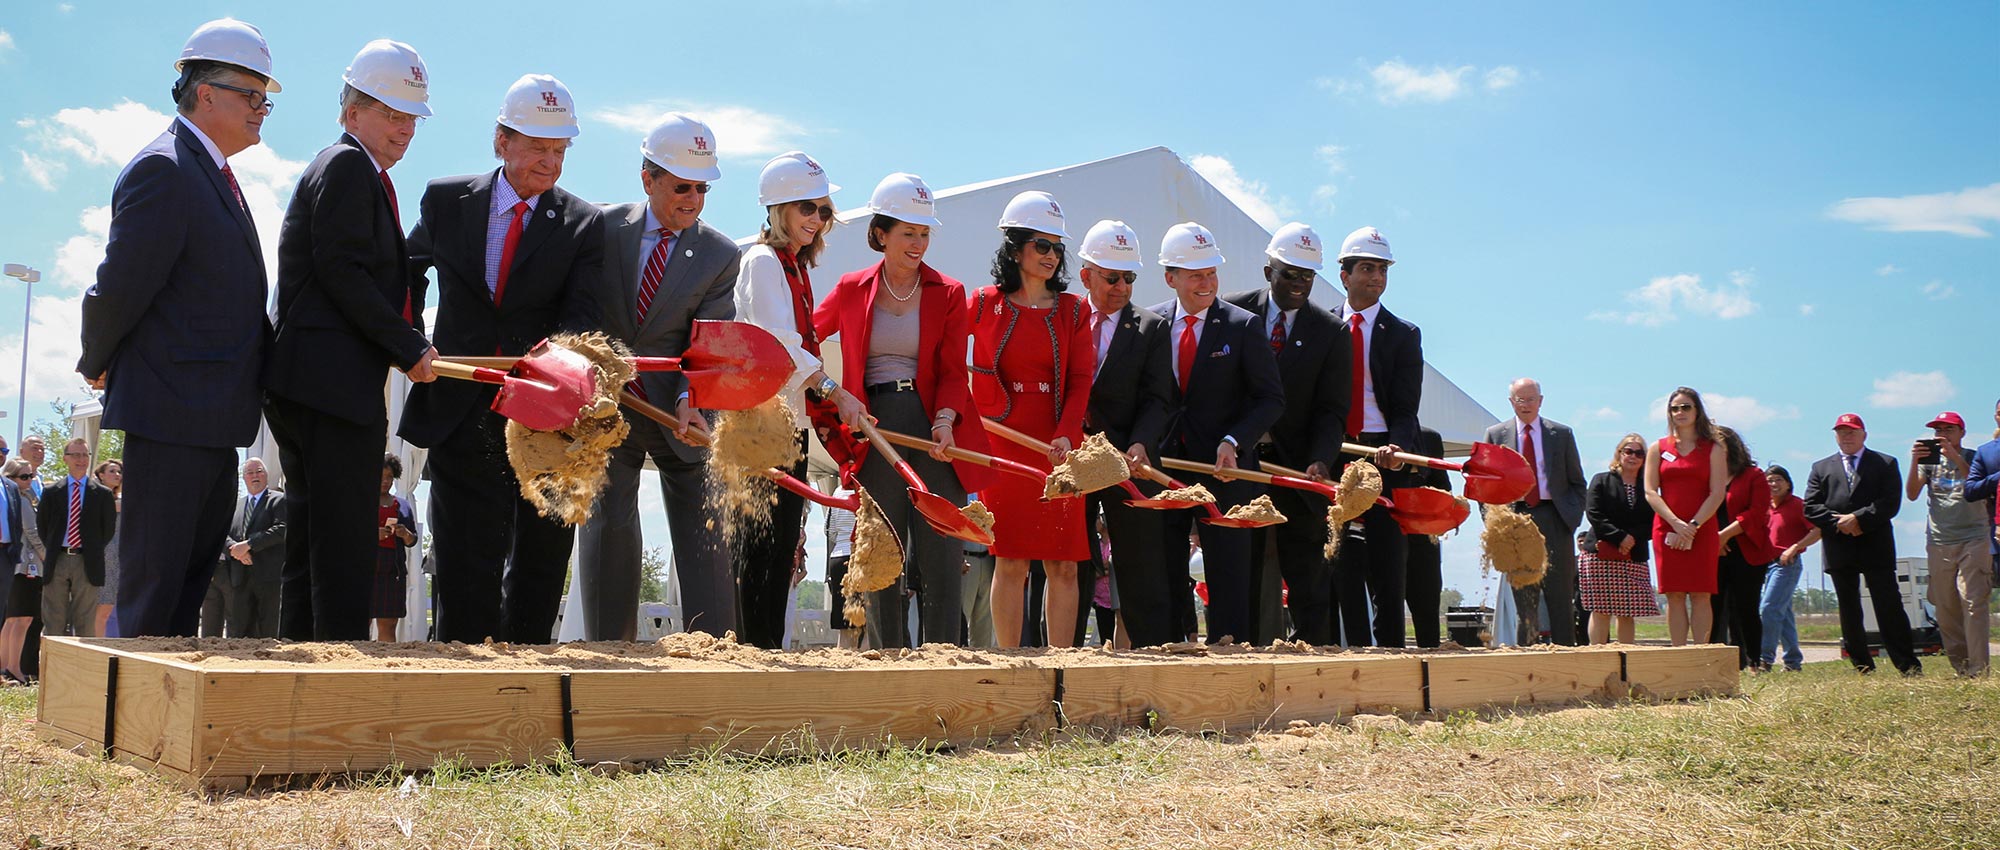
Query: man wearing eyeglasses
[1313, 361]
[517, 259]
[174, 329]
[1555, 504]
[348, 307]
[664, 268]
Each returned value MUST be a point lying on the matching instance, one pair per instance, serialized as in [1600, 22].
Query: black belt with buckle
[902, 385]
[77, 550]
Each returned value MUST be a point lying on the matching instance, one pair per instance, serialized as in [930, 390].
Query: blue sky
[1787, 206]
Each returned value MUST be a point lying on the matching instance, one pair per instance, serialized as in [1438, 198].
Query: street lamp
[29, 277]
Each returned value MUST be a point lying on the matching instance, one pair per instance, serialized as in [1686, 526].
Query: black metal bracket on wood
[110, 703]
[1424, 670]
[568, 719]
[1622, 675]
[1061, 690]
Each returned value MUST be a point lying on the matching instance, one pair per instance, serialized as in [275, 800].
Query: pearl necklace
[891, 289]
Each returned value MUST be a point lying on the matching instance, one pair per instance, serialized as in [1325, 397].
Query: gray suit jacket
[1564, 470]
[700, 283]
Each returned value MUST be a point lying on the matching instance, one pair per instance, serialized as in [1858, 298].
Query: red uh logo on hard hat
[814, 166]
[1305, 241]
[1200, 239]
[549, 99]
[700, 143]
[923, 195]
[1121, 241]
[1055, 209]
[416, 73]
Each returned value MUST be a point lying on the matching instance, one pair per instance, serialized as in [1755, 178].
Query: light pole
[29, 277]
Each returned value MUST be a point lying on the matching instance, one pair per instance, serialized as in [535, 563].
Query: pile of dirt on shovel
[1259, 509]
[1514, 546]
[1360, 486]
[1193, 493]
[1092, 467]
[562, 471]
[746, 443]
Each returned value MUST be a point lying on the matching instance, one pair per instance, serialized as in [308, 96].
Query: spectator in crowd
[1852, 497]
[387, 601]
[77, 517]
[1423, 586]
[839, 547]
[36, 452]
[24, 598]
[1104, 596]
[1791, 535]
[1746, 550]
[1687, 475]
[664, 269]
[111, 474]
[1982, 479]
[1032, 362]
[1555, 504]
[1613, 580]
[1958, 539]
[253, 557]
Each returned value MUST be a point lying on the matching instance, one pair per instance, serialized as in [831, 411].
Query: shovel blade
[1420, 510]
[733, 365]
[1496, 475]
[547, 389]
[944, 517]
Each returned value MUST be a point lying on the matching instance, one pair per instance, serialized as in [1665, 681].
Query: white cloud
[1962, 212]
[740, 131]
[1806, 309]
[1887, 269]
[1323, 196]
[42, 172]
[1665, 299]
[1938, 290]
[6, 41]
[1740, 412]
[1339, 87]
[1334, 158]
[1912, 389]
[65, 8]
[1252, 196]
[1503, 77]
[1396, 82]
[1606, 414]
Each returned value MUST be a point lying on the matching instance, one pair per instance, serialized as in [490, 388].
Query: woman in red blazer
[1032, 360]
[1746, 553]
[902, 329]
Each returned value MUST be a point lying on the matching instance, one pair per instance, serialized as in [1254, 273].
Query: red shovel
[729, 365]
[937, 510]
[1215, 517]
[1419, 510]
[547, 390]
[1495, 475]
[1138, 500]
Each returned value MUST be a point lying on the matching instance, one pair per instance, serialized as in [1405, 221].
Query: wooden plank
[649, 714]
[65, 739]
[1679, 672]
[72, 689]
[1520, 678]
[1192, 696]
[265, 722]
[1321, 690]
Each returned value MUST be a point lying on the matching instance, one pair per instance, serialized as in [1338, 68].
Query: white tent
[1151, 190]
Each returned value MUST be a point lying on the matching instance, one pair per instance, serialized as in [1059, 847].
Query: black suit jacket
[342, 283]
[264, 529]
[1316, 367]
[558, 267]
[100, 521]
[1874, 498]
[1233, 388]
[177, 313]
[1611, 520]
[1129, 383]
[1396, 365]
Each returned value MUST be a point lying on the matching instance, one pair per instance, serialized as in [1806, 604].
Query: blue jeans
[1776, 612]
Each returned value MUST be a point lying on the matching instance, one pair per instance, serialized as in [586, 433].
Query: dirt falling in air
[1514, 546]
[1360, 486]
[876, 561]
[746, 443]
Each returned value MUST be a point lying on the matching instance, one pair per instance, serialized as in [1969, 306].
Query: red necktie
[1360, 362]
[74, 537]
[1185, 366]
[233, 188]
[649, 286]
[507, 251]
[1278, 335]
[1534, 496]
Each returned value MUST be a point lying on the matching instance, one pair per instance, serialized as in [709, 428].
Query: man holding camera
[1956, 540]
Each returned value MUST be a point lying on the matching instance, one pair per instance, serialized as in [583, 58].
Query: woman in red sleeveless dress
[1031, 364]
[1686, 478]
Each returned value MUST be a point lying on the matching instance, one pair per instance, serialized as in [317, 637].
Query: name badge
[1668, 457]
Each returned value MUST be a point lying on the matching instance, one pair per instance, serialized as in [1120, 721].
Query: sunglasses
[259, 101]
[810, 209]
[1628, 450]
[4, 450]
[1679, 408]
[683, 188]
[22, 477]
[1046, 246]
[1116, 278]
[1294, 275]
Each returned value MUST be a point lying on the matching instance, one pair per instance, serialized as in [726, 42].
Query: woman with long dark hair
[1686, 477]
[1746, 550]
[1032, 362]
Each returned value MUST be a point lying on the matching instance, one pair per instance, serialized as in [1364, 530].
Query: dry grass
[1819, 759]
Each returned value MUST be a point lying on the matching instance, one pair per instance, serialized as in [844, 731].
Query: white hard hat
[1189, 246]
[1297, 244]
[1112, 245]
[904, 197]
[792, 176]
[539, 105]
[684, 146]
[1035, 211]
[1366, 242]
[233, 42]
[393, 73]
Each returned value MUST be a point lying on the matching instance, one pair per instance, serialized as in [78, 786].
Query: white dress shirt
[1271, 314]
[1180, 324]
[206, 143]
[1371, 413]
[764, 299]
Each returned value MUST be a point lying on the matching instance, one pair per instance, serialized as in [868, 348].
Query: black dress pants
[178, 504]
[333, 476]
[761, 562]
[1308, 574]
[1225, 555]
[1890, 618]
[1743, 584]
[500, 565]
[1147, 587]
[1424, 587]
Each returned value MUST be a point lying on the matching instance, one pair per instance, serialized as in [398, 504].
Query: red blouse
[1788, 523]
[1748, 500]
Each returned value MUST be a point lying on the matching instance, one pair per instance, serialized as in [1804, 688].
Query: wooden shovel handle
[1209, 469]
[467, 372]
[1015, 437]
[1406, 457]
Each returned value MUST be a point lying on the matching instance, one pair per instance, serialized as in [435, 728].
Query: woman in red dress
[1032, 363]
[1686, 477]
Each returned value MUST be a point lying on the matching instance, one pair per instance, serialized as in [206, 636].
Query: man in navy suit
[1312, 354]
[346, 313]
[517, 259]
[1225, 395]
[174, 328]
[1386, 384]
[1851, 496]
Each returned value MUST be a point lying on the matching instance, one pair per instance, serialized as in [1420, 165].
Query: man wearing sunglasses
[663, 268]
[174, 328]
[517, 259]
[348, 310]
[1313, 362]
